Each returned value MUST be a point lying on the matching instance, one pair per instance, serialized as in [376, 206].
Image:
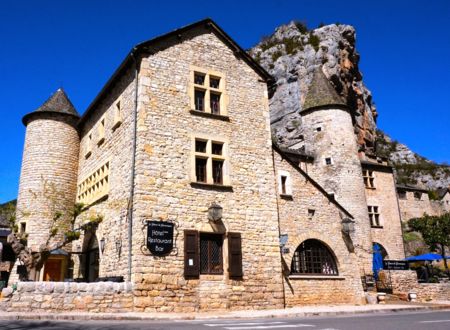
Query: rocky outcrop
[292, 54]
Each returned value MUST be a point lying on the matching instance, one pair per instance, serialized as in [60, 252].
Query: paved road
[399, 321]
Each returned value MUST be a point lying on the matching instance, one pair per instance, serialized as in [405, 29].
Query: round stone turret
[49, 167]
[329, 135]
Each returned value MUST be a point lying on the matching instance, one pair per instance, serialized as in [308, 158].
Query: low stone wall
[405, 282]
[68, 296]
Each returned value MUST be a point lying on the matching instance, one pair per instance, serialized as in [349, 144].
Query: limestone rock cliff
[291, 55]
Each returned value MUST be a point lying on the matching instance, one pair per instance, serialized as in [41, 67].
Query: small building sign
[395, 265]
[160, 237]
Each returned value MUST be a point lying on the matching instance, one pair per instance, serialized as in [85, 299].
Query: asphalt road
[398, 321]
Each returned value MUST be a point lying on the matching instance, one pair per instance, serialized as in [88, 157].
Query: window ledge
[316, 277]
[286, 196]
[210, 186]
[211, 277]
[209, 115]
[371, 188]
[377, 227]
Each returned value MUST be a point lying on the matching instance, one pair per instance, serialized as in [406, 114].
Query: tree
[61, 232]
[435, 231]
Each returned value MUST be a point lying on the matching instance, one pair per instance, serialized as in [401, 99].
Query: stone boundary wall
[405, 282]
[68, 296]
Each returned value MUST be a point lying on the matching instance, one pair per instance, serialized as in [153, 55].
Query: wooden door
[52, 270]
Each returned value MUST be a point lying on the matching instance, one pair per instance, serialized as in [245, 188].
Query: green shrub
[314, 41]
[292, 45]
[276, 55]
[301, 26]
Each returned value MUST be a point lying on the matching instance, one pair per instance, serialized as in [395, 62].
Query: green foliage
[433, 195]
[301, 26]
[267, 42]
[435, 230]
[314, 41]
[292, 45]
[276, 55]
[71, 236]
[411, 237]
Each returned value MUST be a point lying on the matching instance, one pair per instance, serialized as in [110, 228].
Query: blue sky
[404, 47]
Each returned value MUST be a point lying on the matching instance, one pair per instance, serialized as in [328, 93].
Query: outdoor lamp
[215, 212]
[118, 245]
[348, 226]
[102, 244]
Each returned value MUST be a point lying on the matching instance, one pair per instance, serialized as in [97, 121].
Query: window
[208, 92]
[211, 259]
[312, 257]
[210, 162]
[311, 213]
[417, 195]
[401, 194]
[203, 254]
[23, 227]
[369, 179]
[95, 186]
[117, 115]
[328, 161]
[374, 216]
[318, 129]
[284, 183]
[101, 132]
[88, 149]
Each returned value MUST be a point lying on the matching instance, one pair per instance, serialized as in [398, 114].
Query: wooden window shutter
[235, 255]
[191, 254]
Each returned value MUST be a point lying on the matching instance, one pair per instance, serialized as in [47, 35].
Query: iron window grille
[313, 258]
[211, 257]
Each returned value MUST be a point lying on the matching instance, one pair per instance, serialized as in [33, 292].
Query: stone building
[180, 135]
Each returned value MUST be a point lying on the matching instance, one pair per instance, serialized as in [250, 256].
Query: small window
[88, 146]
[200, 169]
[117, 115]
[101, 132]
[312, 257]
[311, 213]
[374, 216]
[214, 82]
[417, 195]
[318, 129]
[217, 169]
[328, 161]
[208, 93]
[209, 162]
[369, 179]
[401, 194]
[217, 148]
[211, 258]
[200, 146]
[283, 184]
[301, 138]
[199, 100]
[199, 78]
[23, 227]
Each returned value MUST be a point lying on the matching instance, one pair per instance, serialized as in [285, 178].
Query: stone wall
[329, 133]
[384, 195]
[68, 297]
[410, 207]
[405, 282]
[324, 225]
[117, 150]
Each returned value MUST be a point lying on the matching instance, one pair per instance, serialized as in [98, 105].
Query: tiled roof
[58, 102]
[321, 92]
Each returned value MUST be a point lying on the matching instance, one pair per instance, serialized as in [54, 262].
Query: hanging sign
[395, 265]
[160, 237]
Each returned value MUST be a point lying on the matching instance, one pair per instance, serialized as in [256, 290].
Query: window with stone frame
[101, 131]
[374, 216]
[211, 255]
[88, 146]
[210, 160]
[312, 257]
[369, 179]
[117, 120]
[284, 183]
[208, 92]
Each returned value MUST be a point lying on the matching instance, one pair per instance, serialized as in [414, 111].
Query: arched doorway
[383, 251]
[90, 258]
[313, 257]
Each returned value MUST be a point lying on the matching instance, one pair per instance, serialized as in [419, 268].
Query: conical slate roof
[321, 93]
[59, 102]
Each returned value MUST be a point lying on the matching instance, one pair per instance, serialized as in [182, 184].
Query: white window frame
[288, 183]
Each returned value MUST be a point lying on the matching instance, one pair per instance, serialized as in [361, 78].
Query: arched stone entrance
[90, 258]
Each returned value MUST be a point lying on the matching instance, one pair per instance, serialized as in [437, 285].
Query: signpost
[160, 237]
[395, 265]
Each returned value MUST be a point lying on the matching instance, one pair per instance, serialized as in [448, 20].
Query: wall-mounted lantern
[348, 226]
[102, 244]
[215, 212]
